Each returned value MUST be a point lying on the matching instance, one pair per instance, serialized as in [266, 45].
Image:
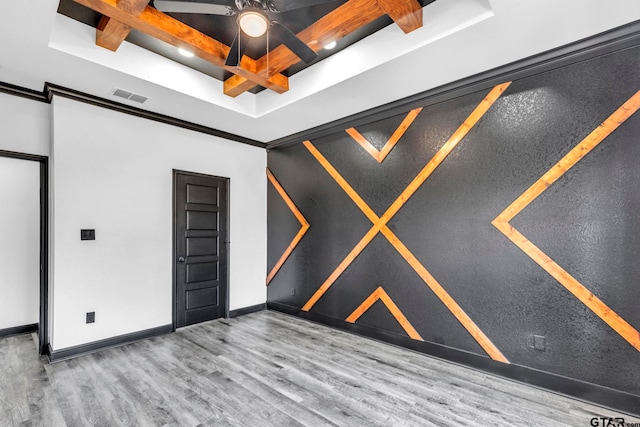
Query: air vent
[135, 97]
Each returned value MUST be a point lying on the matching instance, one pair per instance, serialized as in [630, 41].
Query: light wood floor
[266, 369]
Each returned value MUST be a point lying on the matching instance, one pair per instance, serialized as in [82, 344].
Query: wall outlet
[91, 317]
[539, 342]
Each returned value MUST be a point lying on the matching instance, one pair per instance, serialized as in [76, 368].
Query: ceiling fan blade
[236, 51]
[290, 40]
[175, 6]
[286, 5]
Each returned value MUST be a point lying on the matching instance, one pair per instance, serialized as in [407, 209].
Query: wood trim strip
[448, 146]
[364, 306]
[364, 143]
[165, 28]
[304, 226]
[455, 309]
[501, 222]
[363, 243]
[572, 157]
[346, 262]
[380, 294]
[399, 316]
[359, 201]
[399, 132]
[379, 224]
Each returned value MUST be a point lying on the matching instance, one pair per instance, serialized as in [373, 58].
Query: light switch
[87, 234]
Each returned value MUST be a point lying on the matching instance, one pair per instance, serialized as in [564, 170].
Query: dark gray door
[201, 214]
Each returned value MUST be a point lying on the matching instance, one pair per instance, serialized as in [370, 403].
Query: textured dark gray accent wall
[588, 222]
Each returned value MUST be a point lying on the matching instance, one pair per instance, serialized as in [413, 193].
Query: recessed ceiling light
[330, 45]
[184, 52]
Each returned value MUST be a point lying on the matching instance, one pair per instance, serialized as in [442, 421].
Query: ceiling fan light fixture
[253, 23]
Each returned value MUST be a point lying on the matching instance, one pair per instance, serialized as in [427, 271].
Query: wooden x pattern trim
[399, 132]
[501, 222]
[380, 224]
[380, 294]
[304, 226]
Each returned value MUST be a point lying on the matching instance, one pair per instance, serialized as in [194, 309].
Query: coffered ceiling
[377, 65]
[342, 23]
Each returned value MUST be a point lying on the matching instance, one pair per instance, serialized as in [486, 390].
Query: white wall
[19, 242]
[113, 172]
[24, 125]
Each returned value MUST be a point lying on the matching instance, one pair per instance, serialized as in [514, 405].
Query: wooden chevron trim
[501, 222]
[304, 226]
[380, 294]
[399, 132]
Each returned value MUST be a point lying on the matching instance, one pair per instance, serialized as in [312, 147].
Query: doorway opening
[31, 261]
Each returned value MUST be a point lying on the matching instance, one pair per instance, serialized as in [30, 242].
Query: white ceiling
[459, 38]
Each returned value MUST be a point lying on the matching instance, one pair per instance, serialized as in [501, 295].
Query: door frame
[225, 241]
[43, 323]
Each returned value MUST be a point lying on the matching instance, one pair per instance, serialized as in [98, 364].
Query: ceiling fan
[254, 17]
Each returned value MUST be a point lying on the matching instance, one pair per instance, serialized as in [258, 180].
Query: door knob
[181, 259]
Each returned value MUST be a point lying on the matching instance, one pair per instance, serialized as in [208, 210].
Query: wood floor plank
[266, 369]
[331, 370]
[338, 379]
[389, 391]
[437, 381]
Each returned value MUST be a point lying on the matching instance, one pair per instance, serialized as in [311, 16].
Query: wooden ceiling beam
[340, 22]
[407, 14]
[336, 24]
[176, 33]
[111, 33]
[120, 16]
